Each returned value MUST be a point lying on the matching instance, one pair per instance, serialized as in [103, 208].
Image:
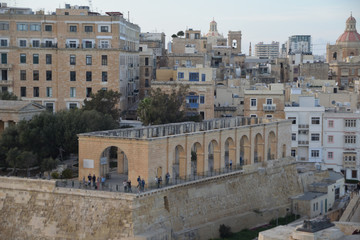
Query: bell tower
[234, 41]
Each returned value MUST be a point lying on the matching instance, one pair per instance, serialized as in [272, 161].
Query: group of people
[95, 181]
[158, 180]
[141, 184]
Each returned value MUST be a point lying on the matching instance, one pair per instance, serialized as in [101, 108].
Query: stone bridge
[184, 149]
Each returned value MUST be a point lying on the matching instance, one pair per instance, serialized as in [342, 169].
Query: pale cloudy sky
[259, 20]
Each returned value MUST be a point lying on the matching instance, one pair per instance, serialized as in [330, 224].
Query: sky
[258, 20]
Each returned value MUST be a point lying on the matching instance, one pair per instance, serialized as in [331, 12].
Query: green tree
[162, 108]
[7, 96]
[48, 164]
[180, 34]
[174, 36]
[105, 102]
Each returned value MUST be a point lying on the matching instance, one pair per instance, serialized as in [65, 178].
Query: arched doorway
[334, 55]
[213, 156]
[229, 152]
[244, 150]
[111, 158]
[179, 164]
[271, 153]
[197, 159]
[259, 148]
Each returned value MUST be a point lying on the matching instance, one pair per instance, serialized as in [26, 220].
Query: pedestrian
[156, 181]
[143, 185]
[230, 164]
[167, 178]
[125, 185]
[102, 181]
[129, 185]
[139, 181]
[89, 179]
[160, 182]
[94, 180]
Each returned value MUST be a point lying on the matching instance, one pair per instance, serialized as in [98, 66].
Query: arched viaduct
[184, 149]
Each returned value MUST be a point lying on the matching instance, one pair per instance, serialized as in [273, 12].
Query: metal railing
[152, 185]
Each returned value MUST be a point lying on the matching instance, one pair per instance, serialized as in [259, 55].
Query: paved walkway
[356, 216]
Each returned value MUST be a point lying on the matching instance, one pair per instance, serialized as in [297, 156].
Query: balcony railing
[48, 45]
[304, 126]
[5, 66]
[303, 142]
[192, 105]
[6, 82]
[269, 107]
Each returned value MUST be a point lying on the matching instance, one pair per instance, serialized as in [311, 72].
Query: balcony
[4, 83]
[48, 45]
[192, 105]
[303, 143]
[303, 126]
[269, 107]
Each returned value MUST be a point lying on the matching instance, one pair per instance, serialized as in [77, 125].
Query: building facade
[269, 50]
[59, 59]
[299, 44]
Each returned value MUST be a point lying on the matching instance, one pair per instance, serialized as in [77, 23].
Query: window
[330, 155]
[194, 77]
[104, 76]
[293, 152]
[88, 44]
[88, 91]
[22, 43]
[35, 27]
[72, 44]
[36, 43]
[35, 58]
[202, 99]
[3, 58]
[350, 122]
[331, 123]
[330, 139]
[315, 120]
[73, 29]
[49, 43]
[315, 153]
[269, 116]
[36, 75]
[315, 137]
[104, 29]
[203, 77]
[147, 83]
[23, 75]
[146, 61]
[180, 75]
[49, 107]
[23, 91]
[3, 42]
[88, 28]
[22, 27]
[146, 72]
[48, 28]
[353, 173]
[4, 26]
[104, 59]
[293, 136]
[72, 92]
[269, 101]
[253, 116]
[72, 105]
[88, 76]
[48, 75]
[104, 44]
[72, 59]
[72, 76]
[88, 59]
[48, 59]
[188, 63]
[351, 139]
[49, 92]
[36, 92]
[253, 102]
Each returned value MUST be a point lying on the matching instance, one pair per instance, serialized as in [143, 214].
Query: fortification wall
[36, 209]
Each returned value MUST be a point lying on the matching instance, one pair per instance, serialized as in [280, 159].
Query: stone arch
[234, 44]
[229, 153]
[110, 154]
[213, 155]
[284, 150]
[259, 148]
[245, 150]
[179, 164]
[272, 142]
[334, 55]
[197, 159]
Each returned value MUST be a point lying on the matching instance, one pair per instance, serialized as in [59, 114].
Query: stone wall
[36, 209]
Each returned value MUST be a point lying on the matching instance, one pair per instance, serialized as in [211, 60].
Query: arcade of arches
[184, 149]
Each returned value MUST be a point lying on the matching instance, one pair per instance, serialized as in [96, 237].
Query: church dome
[350, 34]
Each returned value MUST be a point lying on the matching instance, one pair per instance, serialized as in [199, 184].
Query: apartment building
[59, 59]
[306, 129]
[200, 80]
[267, 50]
[299, 44]
[341, 143]
[265, 102]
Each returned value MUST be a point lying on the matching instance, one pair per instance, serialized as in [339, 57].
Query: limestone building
[59, 59]
[267, 50]
[339, 56]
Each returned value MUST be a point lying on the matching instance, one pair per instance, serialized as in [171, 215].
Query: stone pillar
[217, 159]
